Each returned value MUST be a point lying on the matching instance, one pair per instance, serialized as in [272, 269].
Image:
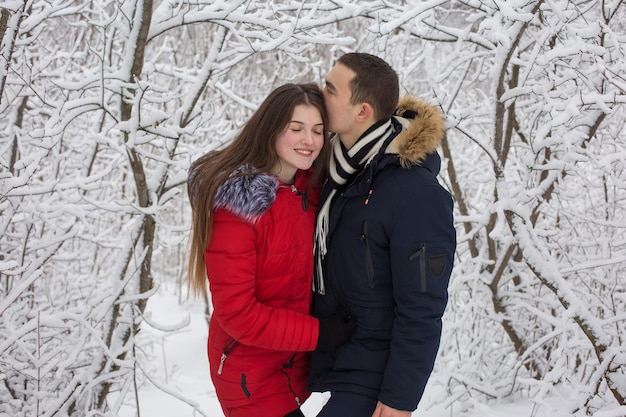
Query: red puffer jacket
[260, 266]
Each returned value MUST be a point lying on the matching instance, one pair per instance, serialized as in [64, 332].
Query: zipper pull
[222, 359]
[300, 193]
[303, 194]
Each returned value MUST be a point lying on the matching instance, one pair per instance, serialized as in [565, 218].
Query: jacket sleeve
[422, 246]
[231, 269]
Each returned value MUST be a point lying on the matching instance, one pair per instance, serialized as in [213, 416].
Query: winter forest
[104, 104]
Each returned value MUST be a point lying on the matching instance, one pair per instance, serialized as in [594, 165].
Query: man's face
[337, 95]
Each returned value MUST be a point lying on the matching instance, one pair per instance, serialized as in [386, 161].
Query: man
[385, 243]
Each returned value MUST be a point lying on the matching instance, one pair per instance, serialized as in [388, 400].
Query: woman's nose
[307, 138]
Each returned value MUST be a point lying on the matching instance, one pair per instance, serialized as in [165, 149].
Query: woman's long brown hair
[253, 146]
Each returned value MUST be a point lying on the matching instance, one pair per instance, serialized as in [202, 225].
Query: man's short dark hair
[375, 83]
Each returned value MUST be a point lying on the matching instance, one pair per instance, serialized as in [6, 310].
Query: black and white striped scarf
[344, 164]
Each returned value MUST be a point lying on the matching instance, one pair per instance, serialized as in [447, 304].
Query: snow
[180, 384]
[537, 313]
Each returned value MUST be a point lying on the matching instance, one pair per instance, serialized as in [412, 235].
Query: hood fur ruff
[247, 194]
[421, 135]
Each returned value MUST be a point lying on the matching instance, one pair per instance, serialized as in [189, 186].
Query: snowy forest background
[104, 104]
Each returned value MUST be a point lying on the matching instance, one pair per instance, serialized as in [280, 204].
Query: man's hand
[385, 411]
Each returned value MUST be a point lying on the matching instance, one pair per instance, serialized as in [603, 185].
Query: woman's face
[300, 143]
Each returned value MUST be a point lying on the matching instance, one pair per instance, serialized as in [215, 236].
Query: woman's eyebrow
[302, 123]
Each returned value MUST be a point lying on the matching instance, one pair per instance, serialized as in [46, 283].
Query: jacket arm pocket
[430, 262]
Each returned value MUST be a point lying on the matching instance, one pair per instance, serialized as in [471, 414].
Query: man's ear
[366, 112]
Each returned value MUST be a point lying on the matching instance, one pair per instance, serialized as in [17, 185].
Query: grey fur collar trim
[247, 193]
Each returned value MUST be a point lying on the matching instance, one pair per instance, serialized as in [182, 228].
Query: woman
[254, 205]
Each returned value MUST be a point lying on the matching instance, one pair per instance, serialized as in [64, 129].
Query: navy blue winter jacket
[390, 256]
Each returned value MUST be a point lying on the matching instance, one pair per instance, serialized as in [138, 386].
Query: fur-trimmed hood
[424, 129]
[247, 193]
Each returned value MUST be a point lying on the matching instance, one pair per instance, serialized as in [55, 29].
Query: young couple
[359, 217]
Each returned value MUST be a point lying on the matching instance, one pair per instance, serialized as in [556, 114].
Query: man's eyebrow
[330, 86]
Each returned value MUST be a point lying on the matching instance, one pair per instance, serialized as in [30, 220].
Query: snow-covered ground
[181, 371]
